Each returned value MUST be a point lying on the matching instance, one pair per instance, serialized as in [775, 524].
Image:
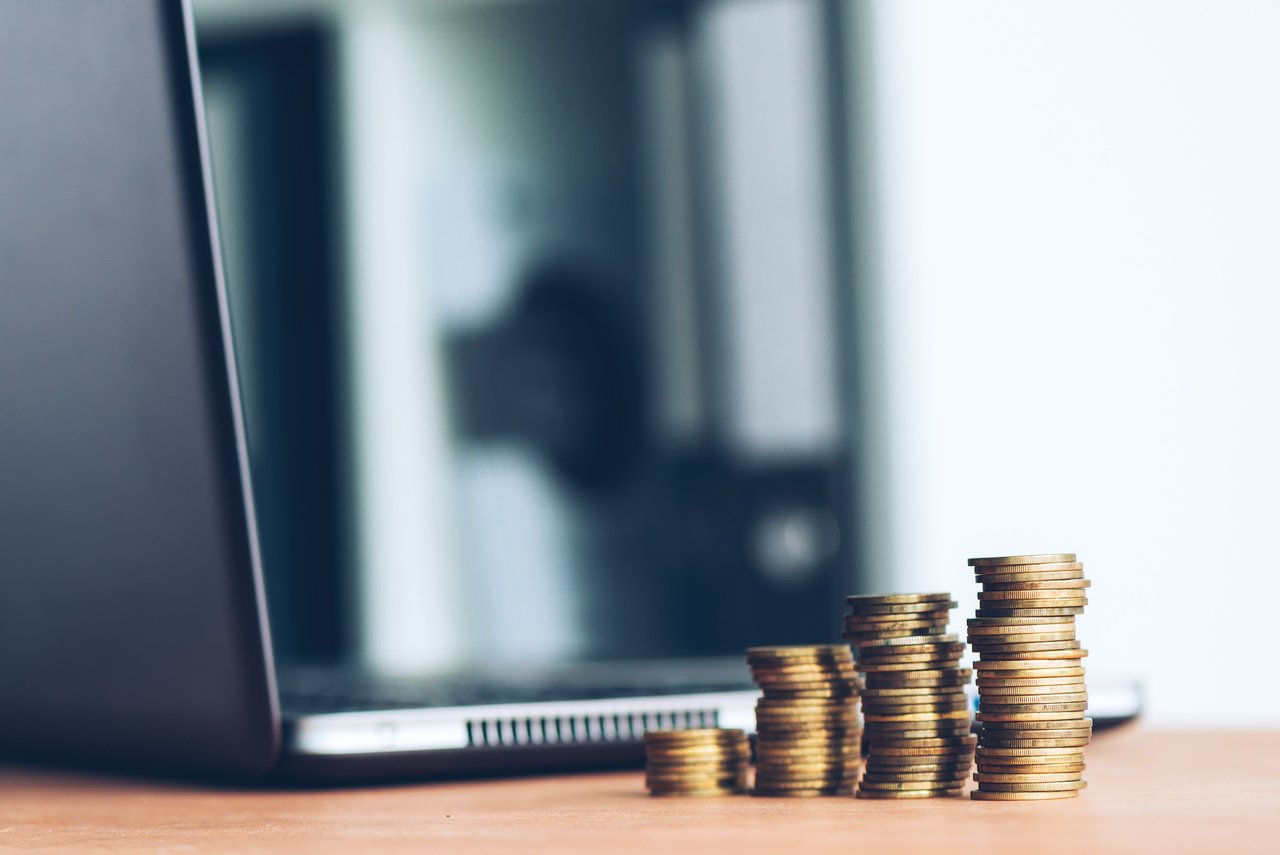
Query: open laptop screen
[542, 353]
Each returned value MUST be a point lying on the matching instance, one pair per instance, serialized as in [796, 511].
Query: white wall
[1075, 261]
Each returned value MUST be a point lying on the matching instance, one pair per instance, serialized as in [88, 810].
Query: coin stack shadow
[696, 762]
[808, 742]
[918, 724]
[1031, 689]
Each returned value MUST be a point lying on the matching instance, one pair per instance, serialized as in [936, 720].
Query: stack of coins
[808, 742]
[918, 725]
[1031, 689]
[696, 762]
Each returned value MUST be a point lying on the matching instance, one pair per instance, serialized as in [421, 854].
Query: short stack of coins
[1031, 688]
[919, 743]
[696, 762]
[808, 741]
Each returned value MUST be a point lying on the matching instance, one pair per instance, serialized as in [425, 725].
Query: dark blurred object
[561, 373]
[283, 286]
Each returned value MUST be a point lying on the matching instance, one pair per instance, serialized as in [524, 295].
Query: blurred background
[591, 329]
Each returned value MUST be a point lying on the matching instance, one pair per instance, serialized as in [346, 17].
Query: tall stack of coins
[919, 743]
[696, 762]
[808, 742]
[1031, 689]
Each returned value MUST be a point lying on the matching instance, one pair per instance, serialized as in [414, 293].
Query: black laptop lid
[131, 626]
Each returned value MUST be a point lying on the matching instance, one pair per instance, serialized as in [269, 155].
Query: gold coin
[893, 651]
[910, 667]
[830, 692]
[1032, 704]
[725, 768]
[925, 677]
[992, 678]
[693, 734]
[895, 599]
[804, 673]
[1029, 717]
[800, 794]
[696, 778]
[879, 736]
[813, 737]
[807, 709]
[1036, 787]
[944, 769]
[925, 716]
[1033, 725]
[797, 650]
[1038, 585]
[1006, 560]
[937, 699]
[807, 704]
[936, 686]
[1032, 573]
[1026, 646]
[706, 782]
[1035, 595]
[1036, 769]
[1032, 691]
[1039, 567]
[910, 794]
[919, 766]
[800, 666]
[907, 692]
[1071, 729]
[1019, 623]
[988, 679]
[890, 681]
[1022, 634]
[918, 630]
[695, 751]
[1041, 753]
[849, 702]
[663, 794]
[937, 753]
[902, 641]
[891, 619]
[1008, 600]
[1032, 599]
[937, 741]
[1048, 659]
[894, 706]
[1002, 740]
[1078, 742]
[1038, 656]
[905, 611]
[1036, 612]
[716, 745]
[959, 729]
[801, 754]
[929, 787]
[900, 709]
[816, 772]
[986, 796]
[809, 695]
[912, 632]
[997, 727]
[1010, 703]
[950, 779]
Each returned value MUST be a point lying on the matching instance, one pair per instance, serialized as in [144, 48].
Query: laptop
[133, 623]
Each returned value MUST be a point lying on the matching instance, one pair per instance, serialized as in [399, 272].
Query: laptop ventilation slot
[580, 729]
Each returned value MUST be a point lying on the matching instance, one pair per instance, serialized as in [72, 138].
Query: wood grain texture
[1159, 792]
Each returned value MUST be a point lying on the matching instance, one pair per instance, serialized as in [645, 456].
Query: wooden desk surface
[1159, 792]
